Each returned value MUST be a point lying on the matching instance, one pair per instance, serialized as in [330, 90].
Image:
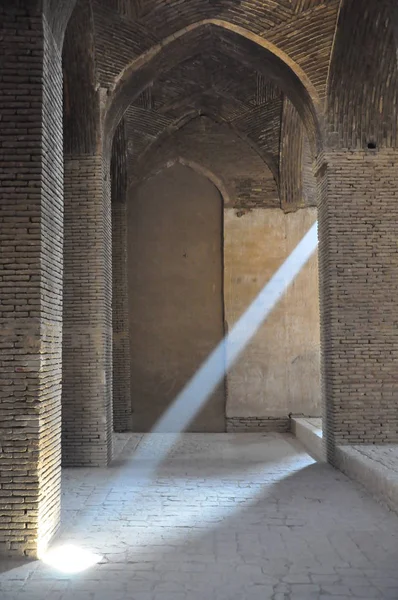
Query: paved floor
[228, 517]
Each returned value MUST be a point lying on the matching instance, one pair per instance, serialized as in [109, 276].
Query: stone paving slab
[227, 517]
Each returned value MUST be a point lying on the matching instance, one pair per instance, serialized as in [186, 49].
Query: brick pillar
[122, 408]
[358, 257]
[87, 334]
[31, 232]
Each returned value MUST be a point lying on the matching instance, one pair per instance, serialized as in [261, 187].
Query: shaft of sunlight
[197, 391]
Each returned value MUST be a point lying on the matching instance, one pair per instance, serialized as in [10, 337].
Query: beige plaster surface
[279, 372]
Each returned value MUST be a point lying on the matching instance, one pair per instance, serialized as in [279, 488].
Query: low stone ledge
[309, 432]
[373, 466]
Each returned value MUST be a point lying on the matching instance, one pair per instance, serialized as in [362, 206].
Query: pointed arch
[198, 168]
[250, 48]
[191, 115]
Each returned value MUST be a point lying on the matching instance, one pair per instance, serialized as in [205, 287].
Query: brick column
[30, 280]
[358, 257]
[87, 334]
[122, 410]
[87, 317]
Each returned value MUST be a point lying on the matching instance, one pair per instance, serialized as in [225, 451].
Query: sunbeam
[197, 391]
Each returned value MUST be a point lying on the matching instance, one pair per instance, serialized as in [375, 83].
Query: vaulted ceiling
[303, 29]
[257, 66]
[215, 85]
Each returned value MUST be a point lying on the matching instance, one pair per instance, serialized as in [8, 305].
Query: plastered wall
[175, 293]
[278, 373]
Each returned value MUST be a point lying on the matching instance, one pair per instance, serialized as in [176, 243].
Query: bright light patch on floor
[70, 559]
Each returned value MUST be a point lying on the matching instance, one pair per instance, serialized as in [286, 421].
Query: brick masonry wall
[297, 182]
[87, 337]
[87, 345]
[51, 295]
[257, 424]
[81, 98]
[106, 277]
[362, 103]
[358, 210]
[30, 281]
[291, 154]
[307, 174]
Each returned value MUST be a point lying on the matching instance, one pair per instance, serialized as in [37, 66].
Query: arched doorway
[175, 273]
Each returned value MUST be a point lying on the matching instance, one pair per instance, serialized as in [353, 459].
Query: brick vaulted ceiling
[215, 84]
[218, 75]
[303, 29]
[215, 81]
[219, 87]
[217, 72]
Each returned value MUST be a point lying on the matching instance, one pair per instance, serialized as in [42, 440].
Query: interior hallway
[228, 517]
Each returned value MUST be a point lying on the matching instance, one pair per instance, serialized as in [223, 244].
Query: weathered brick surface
[297, 184]
[30, 280]
[359, 276]
[293, 27]
[248, 103]
[300, 39]
[82, 132]
[87, 333]
[363, 82]
[87, 351]
[57, 15]
[219, 38]
[106, 277]
[256, 424]
[122, 409]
